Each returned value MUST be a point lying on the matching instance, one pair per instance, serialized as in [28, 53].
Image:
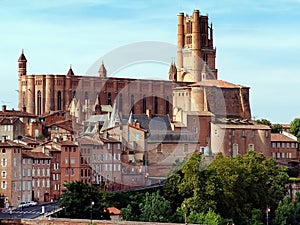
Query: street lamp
[92, 203]
[268, 210]
[185, 209]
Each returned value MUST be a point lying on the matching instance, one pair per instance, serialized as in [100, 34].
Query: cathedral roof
[216, 83]
[22, 57]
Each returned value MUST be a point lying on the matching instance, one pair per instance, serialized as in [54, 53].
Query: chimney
[3, 108]
[3, 139]
[148, 113]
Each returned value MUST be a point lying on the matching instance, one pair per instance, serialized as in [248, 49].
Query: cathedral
[192, 88]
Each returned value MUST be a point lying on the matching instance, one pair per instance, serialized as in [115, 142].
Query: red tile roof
[35, 155]
[217, 83]
[281, 138]
[114, 211]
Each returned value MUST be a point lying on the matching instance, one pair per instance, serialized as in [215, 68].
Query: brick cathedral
[192, 87]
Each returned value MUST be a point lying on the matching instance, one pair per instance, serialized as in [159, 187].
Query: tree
[232, 187]
[210, 218]
[295, 127]
[264, 122]
[77, 199]
[288, 212]
[276, 128]
[155, 208]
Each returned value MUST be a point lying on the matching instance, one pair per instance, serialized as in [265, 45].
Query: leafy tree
[256, 217]
[77, 199]
[210, 218]
[171, 191]
[295, 127]
[276, 128]
[284, 214]
[264, 122]
[155, 208]
[232, 187]
[288, 212]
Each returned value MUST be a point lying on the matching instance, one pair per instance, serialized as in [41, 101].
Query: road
[28, 212]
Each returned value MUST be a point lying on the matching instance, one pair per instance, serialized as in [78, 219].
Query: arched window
[59, 100]
[167, 105]
[155, 105]
[86, 95]
[144, 104]
[24, 98]
[39, 103]
[108, 98]
[120, 102]
[74, 94]
[132, 103]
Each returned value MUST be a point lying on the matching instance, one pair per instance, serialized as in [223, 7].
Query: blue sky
[257, 42]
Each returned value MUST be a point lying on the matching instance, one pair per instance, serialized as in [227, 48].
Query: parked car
[23, 204]
[32, 203]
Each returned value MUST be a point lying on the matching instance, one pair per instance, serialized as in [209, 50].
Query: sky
[257, 43]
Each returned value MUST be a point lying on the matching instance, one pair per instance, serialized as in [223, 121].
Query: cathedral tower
[22, 64]
[196, 53]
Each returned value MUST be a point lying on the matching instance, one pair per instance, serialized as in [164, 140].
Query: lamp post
[268, 210]
[185, 209]
[92, 203]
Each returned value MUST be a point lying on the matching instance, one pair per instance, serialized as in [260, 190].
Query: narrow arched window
[167, 105]
[86, 95]
[155, 105]
[24, 98]
[59, 100]
[144, 104]
[108, 98]
[39, 103]
[132, 103]
[120, 102]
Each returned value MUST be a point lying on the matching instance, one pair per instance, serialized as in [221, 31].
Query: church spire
[102, 71]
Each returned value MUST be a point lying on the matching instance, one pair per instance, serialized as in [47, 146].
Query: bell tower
[22, 64]
[195, 52]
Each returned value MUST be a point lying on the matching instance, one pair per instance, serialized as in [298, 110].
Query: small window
[159, 148]
[235, 149]
[3, 151]
[267, 134]
[273, 144]
[3, 174]
[251, 147]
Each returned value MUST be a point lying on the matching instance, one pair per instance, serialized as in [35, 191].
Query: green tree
[155, 208]
[264, 122]
[284, 214]
[171, 191]
[232, 187]
[77, 199]
[276, 128]
[295, 127]
[210, 218]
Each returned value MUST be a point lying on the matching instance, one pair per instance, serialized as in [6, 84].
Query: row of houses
[40, 154]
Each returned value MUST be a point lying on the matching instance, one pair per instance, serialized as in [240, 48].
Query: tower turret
[102, 71]
[173, 72]
[70, 72]
[22, 64]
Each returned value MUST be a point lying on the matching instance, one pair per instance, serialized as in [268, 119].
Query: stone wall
[75, 222]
